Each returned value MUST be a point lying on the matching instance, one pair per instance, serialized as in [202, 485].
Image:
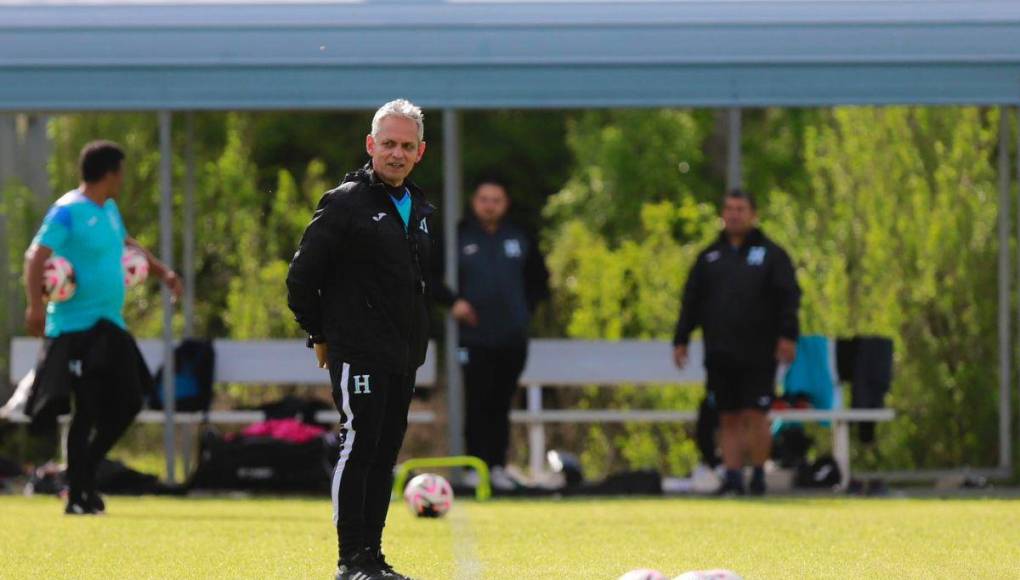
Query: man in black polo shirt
[743, 293]
[501, 277]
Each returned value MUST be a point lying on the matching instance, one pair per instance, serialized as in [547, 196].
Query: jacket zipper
[417, 285]
[418, 281]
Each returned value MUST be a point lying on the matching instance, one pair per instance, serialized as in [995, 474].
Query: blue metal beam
[486, 54]
[265, 88]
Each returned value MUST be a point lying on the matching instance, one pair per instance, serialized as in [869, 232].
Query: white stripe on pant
[348, 444]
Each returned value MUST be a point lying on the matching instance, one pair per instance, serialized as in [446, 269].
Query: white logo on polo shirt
[756, 256]
[512, 248]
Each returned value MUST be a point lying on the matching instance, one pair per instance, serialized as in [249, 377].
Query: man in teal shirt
[87, 344]
[92, 237]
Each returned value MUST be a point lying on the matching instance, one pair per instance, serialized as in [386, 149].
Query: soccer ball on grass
[428, 495]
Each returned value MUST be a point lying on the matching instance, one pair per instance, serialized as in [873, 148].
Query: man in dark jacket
[743, 293]
[358, 286]
[501, 277]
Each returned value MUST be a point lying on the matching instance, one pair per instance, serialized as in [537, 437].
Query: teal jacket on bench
[811, 375]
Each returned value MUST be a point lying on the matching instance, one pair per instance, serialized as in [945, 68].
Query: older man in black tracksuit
[501, 277]
[743, 293]
[358, 286]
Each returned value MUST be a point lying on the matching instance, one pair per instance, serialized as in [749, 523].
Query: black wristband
[314, 340]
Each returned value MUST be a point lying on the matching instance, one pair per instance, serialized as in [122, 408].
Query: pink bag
[289, 430]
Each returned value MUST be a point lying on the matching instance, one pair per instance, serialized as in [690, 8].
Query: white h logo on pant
[361, 384]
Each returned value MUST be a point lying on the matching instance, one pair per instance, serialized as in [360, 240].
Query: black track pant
[373, 419]
[107, 396]
[490, 381]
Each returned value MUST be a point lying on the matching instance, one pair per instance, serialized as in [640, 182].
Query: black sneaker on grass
[733, 484]
[95, 502]
[385, 570]
[361, 567]
[78, 507]
[757, 486]
[729, 489]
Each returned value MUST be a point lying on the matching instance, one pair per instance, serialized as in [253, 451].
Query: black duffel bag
[263, 464]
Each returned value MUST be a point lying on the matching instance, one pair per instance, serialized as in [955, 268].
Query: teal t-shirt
[403, 206]
[91, 237]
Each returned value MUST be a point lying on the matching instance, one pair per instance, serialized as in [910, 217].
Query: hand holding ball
[59, 283]
[136, 266]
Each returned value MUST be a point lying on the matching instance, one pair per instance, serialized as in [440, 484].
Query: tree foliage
[900, 240]
[890, 216]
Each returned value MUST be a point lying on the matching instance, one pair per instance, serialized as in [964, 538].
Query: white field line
[467, 564]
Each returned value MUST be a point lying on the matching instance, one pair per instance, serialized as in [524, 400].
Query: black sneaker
[757, 486]
[730, 488]
[78, 507]
[733, 484]
[95, 501]
[386, 571]
[361, 567]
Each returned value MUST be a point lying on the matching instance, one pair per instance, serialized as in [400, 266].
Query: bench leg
[841, 451]
[536, 432]
[187, 447]
[65, 428]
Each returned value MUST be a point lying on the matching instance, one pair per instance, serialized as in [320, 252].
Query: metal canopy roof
[482, 54]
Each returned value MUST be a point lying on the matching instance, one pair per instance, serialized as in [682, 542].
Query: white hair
[400, 108]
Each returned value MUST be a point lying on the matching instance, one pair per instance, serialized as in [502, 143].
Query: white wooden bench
[248, 362]
[577, 363]
[551, 363]
[254, 362]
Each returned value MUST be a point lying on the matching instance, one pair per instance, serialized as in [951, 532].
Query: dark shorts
[739, 387]
[105, 353]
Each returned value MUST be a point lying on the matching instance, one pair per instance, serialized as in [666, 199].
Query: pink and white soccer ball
[709, 575]
[136, 266]
[428, 495]
[58, 279]
[644, 574]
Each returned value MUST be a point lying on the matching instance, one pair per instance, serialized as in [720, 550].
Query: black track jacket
[503, 276]
[744, 299]
[359, 282]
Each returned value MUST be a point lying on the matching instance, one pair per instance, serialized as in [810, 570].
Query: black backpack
[194, 366]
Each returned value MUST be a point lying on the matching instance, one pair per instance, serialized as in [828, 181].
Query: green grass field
[293, 538]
